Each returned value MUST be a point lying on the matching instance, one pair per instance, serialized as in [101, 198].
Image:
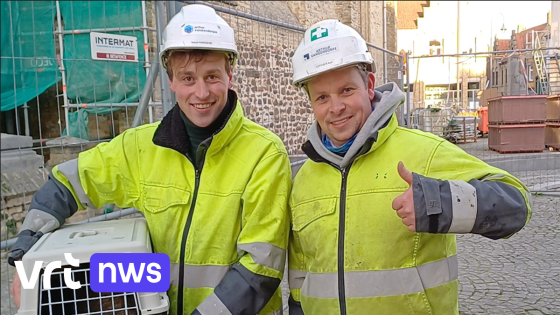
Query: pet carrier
[82, 241]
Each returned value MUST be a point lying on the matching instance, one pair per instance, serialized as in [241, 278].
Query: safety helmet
[198, 27]
[329, 45]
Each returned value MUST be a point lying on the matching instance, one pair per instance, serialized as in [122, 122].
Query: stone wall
[262, 81]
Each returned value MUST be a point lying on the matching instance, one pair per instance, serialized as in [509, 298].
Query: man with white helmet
[370, 236]
[212, 184]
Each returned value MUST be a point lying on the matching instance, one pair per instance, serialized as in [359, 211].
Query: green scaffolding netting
[28, 63]
[98, 81]
[29, 55]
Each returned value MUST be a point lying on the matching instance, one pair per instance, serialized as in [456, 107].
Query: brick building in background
[517, 75]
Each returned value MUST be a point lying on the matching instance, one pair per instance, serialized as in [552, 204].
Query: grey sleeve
[55, 199]
[50, 206]
[241, 292]
[490, 208]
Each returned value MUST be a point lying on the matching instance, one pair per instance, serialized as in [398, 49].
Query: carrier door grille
[61, 300]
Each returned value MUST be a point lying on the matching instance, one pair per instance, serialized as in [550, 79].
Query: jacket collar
[172, 133]
[370, 145]
[384, 103]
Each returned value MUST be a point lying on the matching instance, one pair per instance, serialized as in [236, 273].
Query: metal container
[552, 135]
[553, 108]
[517, 109]
[467, 125]
[516, 138]
[434, 120]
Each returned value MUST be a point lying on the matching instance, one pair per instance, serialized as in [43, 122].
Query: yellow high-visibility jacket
[351, 254]
[221, 218]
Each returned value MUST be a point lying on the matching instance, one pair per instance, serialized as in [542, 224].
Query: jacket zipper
[184, 244]
[342, 220]
[341, 232]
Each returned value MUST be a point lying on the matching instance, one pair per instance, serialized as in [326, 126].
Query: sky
[477, 16]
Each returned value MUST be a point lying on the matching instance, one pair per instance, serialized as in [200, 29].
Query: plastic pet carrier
[82, 241]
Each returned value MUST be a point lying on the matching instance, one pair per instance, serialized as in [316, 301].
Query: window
[473, 85]
[530, 73]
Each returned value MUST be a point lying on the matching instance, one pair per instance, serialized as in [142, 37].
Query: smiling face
[341, 101]
[200, 80]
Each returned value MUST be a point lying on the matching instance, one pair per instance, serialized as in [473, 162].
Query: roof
[408, 13]
[520, 37]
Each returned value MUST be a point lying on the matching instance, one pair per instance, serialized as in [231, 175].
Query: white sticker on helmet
[200, 29]
[321, 51]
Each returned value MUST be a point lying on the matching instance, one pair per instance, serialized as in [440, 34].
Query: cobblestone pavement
[520, 275]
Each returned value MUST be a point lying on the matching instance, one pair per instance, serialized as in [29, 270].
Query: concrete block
[66, 141]
[15, 142]
[20, 160]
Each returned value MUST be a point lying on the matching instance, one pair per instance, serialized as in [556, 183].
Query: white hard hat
[198, 27]
[329, 45]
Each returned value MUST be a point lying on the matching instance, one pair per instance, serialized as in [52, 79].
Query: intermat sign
[113, 47]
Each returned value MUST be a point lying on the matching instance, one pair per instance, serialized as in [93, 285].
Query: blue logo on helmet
[188, 29]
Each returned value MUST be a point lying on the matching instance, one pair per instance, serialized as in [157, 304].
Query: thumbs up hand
[404, 203]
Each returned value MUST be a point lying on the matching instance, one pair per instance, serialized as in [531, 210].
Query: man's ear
[371, 85]
[230, 83]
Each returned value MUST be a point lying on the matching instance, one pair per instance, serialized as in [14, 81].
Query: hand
[404, 203]
[15, 289]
